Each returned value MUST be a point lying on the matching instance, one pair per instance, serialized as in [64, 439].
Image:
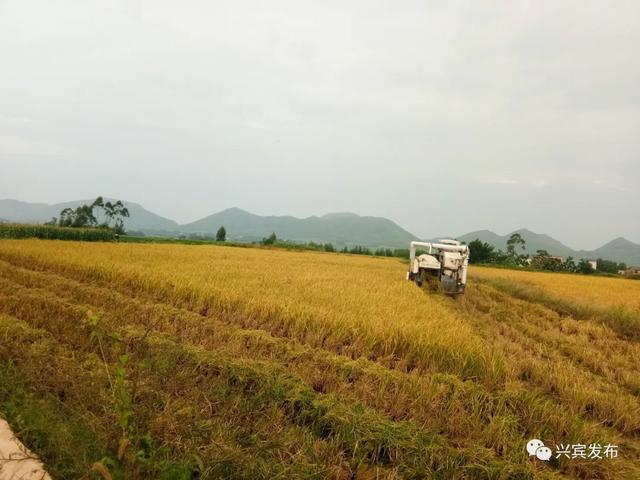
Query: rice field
[612, 301]
[180, 361]
[600, 292]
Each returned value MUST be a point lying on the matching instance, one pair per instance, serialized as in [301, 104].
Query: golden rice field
[181, 362]
[600, 292]
[613, 301]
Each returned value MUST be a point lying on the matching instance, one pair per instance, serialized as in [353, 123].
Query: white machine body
[446, 261]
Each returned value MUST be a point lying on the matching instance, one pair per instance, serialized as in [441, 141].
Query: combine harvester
[445, 262]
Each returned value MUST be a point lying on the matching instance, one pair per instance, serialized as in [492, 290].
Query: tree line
[273, 240]
[483, 252]
[84, 216]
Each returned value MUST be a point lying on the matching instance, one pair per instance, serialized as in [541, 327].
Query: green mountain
[618, 250]
[140, 219]
[534, 241]
[486, 236]
[336, 228]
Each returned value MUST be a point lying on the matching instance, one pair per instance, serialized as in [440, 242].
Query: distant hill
[619, 250]
[140, 219]
[337, 228]
[534, 241]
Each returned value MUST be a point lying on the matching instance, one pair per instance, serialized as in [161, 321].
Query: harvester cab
[445, 262]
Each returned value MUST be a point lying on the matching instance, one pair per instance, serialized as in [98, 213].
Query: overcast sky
[444, 116]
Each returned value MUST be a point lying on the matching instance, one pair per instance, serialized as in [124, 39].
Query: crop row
[49, 232]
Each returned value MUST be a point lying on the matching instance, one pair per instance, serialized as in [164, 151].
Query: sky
[446, 117]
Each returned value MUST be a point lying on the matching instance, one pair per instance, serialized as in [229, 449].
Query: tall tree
[569, 265]
[481, 252]
[584, 266]
[607, 266]
[270, 240]
[83, 215]
[221, 234]
[115, 211]
[66, 217]
[515, 243]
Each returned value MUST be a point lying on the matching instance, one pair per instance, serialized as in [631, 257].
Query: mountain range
[140, 219]
[619, 249]
[337, 228]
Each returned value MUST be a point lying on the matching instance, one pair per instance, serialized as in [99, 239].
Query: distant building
[593, 263]
[631, 271]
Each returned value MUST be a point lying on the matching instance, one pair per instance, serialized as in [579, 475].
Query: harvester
[444, 263]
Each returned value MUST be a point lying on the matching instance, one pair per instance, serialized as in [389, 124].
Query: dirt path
[16, 461]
